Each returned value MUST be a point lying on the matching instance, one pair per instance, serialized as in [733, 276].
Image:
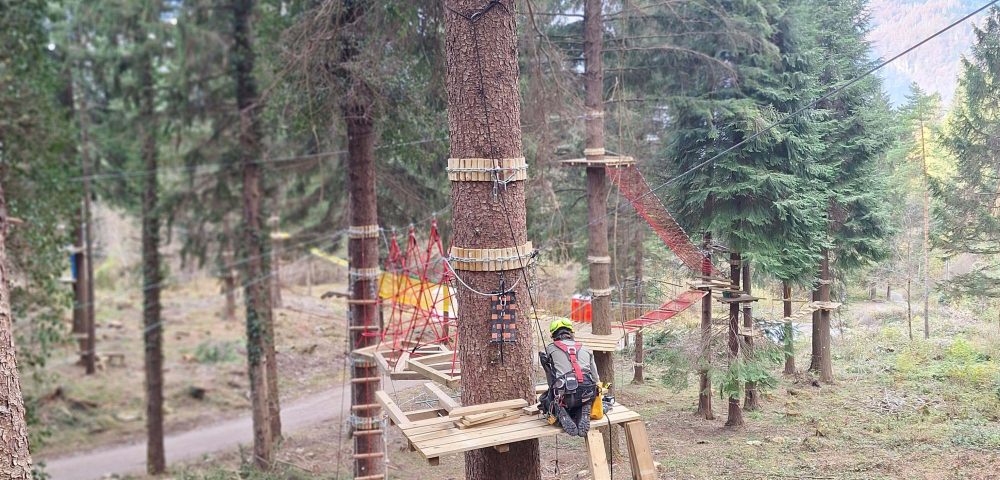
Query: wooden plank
[395, 413]
[474, 439]
[427, 432]
[425, 414]
[640, 453]
[598, 457]
[480, 419]
[429, 373]
[486, 407]
[444, 400]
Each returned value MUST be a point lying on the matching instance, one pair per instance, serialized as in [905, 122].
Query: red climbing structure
[633, 186]
[415, 289]
[666, 311]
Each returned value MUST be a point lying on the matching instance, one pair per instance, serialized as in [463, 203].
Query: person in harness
[572, 377]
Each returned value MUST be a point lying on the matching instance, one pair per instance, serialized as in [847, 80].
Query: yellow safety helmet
[560, 323]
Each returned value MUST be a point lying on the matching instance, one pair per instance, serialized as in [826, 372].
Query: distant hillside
[935, 65]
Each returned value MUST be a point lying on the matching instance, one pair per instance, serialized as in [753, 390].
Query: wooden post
[598, 458]
[640, 452]
[786, 303]
[735, 417]
[751, 400]
[705, 354]
[637, 377]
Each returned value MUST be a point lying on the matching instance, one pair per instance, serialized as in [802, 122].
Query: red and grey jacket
[570, 357]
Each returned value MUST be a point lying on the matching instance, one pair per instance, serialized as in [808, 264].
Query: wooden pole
[704, 372]
[751, 399]
[786, 303]
[735, 416]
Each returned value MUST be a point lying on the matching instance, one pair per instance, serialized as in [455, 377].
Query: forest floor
[205, 365]
[900, 409]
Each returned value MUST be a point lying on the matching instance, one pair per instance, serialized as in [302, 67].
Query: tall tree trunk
[254, 245]
[87, 266]
[909, 309]
[637, 377]
[888, 292]
[597, 183]
[786, 302]
[156, 462]
[15, 459]
[362, 248]
[826, 337]
[484, 119]
[79, 329]
[751, 400]
[927, 233]
[80, 289]
[735, 416]
[704, 375]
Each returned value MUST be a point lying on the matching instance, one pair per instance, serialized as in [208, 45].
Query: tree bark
[597, 183]
[735, 416]
[638, 377]
[484, 122]
[826, 339]
[888, 292]
[751, 399]
[704, 374]
[786, 302]
[257, 296]
[362, 249]
[15, 459]
[156, 462]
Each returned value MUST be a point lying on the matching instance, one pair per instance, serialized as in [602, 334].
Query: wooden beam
[487, 407]
[395, 413]
[430, 373]
[598, 457]
[639, 451]
[444, 400]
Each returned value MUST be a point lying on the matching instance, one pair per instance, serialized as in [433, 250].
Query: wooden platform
[607, 161]
[809, 308]
[509, 422]
[430, 362]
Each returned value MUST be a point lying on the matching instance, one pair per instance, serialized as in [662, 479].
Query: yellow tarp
[409, 291]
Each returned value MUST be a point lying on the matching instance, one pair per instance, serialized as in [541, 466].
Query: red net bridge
[633, 186]
[665, 312]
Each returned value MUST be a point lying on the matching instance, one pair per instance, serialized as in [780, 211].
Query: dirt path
[326, 406]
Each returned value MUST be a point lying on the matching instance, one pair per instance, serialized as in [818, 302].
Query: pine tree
[967, 213]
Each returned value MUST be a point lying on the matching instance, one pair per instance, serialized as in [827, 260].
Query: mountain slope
[934, 66]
